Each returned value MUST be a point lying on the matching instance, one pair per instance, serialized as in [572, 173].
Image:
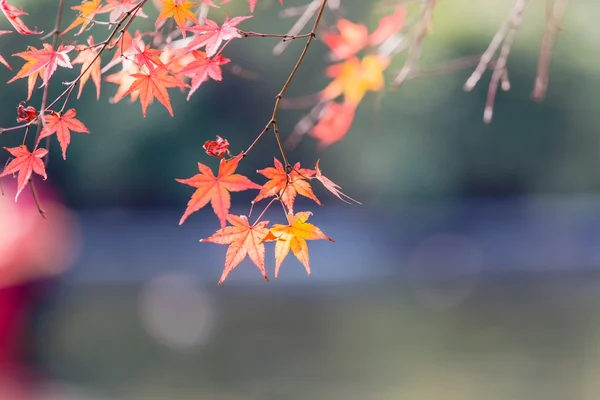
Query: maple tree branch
[553, 26]
[36, 198]
[265, 210]
[273, 122]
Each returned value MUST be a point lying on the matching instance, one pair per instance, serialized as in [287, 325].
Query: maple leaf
[353, 78]
[351, 39]
[286, 185]
[217, 148]
[388, 26]
[334, 123]
[62, 125]
[212, 35]
[32, 78]
[2, 60]
[243, 240]
[25, 114]
[25, 163]
[179, 10]
[117, 8]
[44, 61]
[124, 79]
[88, 56]
[149, 58]
[215, 189]
[203, 68]
[87, 12]
[294, 236]
[13, 15]
[332, 186]
[154, 85]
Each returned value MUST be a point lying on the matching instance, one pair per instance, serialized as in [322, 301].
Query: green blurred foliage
[424, 141]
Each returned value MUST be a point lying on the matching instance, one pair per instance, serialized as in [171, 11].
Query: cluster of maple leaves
[187, 51]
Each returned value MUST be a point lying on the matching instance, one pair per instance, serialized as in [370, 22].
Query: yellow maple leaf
[294, 236]
[354, 77]
[179, 10]
[87, 12]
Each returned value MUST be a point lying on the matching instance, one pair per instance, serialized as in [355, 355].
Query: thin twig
[273, 120]
[505, 36]
[553, 26]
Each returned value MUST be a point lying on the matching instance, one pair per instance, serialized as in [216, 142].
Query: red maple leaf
[154, 85]
[215, 189]
[388, 26]
[212, 35]
[117, 8]
[90, 63]
[243, 240]
[62, 125]
[286, 185]
[217, 148]
[203, 68]
[25, 163]
[25, 114]
[13, 15]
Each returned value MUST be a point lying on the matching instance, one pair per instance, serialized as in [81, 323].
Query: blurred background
[471, 271]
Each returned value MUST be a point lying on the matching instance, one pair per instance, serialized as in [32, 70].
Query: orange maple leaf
[353, 78]
[90, 63]
[215, 189]
[243, 240]
[13, 15]
[2, 60]
[62, 125]
[44, 61]
[388, 26]
[287, 186]
[294, 236]
[124, 79]
[25, 163]
[87, 12]
[180, 11]
[332, 186]
[154, 85]
[351, 39]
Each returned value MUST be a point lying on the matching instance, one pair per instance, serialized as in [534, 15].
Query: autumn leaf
[351, 39]
[149, 58]
[212, 35]
[32, 78]
[388, 26]
[334, 123]
[117, 8]
[215, 189]
[353, 78]
[294, 236]
[243, 240]
[25, 163]
[2, 60]
[154, 85]
[13, 15]
[87, 12]
[203, 68]
[286, 185]
[332, 186]
[62, 125]
[124, 79]
[90, 63]
[180, 11]
[44, 61]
